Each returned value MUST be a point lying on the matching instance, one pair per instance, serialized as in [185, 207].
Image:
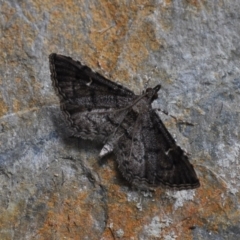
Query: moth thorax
[141, 106]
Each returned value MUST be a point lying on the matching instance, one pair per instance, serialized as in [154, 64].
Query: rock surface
[56, 187]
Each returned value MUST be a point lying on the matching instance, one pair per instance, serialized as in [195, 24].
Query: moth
[101, 110]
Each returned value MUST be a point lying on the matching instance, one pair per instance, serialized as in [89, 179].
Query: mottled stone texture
[56, 187]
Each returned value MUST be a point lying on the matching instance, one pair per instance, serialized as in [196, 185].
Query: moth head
[151, 93]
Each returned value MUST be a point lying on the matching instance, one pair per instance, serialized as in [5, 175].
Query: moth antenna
[178, 120]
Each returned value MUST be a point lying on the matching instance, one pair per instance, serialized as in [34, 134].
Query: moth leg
[178, 120]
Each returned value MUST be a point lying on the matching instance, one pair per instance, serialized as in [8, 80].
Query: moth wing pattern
[88, 100]
[148, 156]
[99, 109]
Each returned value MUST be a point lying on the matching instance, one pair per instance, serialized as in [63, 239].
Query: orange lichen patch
[14, 37]
[138, 45]
[10, 216]
[119, 27]
[123, 217]
[68, 217]
[198, 4]
[115, 195]
[16, 105]
[210, 206]
[3, 108]
[110, 25]
[26, 88]
[121, 214]
[18, 80]
[121, 74]
[168, 2]
[7, 12]
[207, 204]
[114, 28]
[68, 26]
[106, 174]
